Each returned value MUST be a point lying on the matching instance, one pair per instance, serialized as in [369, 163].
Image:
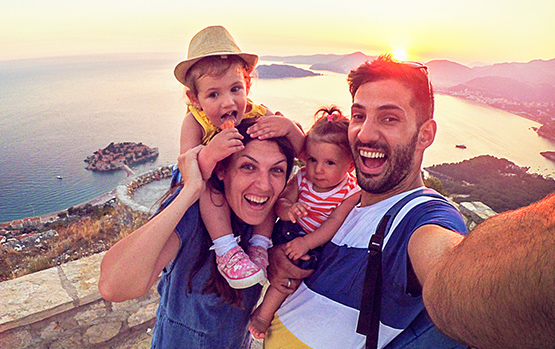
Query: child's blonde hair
[216, 66]
[331, 127]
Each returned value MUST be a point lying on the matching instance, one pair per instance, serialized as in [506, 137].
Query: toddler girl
[217, 76]
[314, 204]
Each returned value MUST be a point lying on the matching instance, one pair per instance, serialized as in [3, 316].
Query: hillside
[498, 183]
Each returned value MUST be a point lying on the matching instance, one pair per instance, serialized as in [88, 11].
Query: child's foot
[259, 256]
[239, 271]
[258, 325]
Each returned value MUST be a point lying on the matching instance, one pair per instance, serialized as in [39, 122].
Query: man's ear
[427, 133]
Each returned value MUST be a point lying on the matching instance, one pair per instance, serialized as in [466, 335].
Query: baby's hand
[298, 209]
[270, 126]
[296, 248]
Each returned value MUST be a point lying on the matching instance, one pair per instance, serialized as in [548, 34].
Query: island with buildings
[117, 156]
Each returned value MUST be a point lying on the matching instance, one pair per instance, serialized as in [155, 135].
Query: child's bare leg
[261, 242]
[262, 316]
[232, 262]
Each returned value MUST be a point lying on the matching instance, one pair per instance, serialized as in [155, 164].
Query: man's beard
[400, 162]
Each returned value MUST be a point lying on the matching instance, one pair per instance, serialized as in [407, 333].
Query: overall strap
[370, 307]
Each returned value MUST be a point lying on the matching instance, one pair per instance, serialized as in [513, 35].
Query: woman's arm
[131, 266]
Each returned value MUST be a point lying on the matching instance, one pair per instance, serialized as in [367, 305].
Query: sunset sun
[400, 54]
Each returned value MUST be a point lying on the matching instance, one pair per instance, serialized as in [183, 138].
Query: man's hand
[282, 273]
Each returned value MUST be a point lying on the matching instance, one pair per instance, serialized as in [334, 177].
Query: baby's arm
[277, 125]
[221, 146]
[287, 199]
[298, 247]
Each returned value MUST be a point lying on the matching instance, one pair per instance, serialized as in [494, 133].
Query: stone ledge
[62, 307]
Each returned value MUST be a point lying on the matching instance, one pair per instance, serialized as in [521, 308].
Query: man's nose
[369, 131]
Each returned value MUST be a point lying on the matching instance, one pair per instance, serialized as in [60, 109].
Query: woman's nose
[263, 181]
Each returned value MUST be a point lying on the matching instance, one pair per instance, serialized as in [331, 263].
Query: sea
[54, 112]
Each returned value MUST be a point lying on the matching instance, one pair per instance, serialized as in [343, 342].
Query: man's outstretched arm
[496, 289]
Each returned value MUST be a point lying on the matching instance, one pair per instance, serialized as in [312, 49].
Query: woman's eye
[248, 167]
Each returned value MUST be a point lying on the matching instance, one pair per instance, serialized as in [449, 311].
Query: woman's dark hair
[217, 284]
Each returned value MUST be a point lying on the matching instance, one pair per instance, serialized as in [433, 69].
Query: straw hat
[211, 41]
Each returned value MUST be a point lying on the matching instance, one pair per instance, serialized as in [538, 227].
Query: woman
[197, 308]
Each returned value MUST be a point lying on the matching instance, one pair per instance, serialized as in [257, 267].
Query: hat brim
[183, 67]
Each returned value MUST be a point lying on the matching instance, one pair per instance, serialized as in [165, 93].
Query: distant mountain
[446, 73]
[535, 72]
[511, 89]
[526, 89]
[306, 59]
[344, 64]
[280, 71]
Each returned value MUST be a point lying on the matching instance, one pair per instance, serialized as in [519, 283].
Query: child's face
[327, 164]
[222, 97]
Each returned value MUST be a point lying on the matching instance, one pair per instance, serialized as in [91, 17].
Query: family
[355, 251]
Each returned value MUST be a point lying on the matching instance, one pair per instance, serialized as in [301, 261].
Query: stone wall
[61, 307]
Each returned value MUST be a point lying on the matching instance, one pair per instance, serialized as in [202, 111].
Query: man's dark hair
[411, 74]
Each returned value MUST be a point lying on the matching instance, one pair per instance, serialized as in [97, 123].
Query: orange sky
[464, 31]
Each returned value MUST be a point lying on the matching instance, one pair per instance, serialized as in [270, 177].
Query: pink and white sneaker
[239, 271]
[259, 256]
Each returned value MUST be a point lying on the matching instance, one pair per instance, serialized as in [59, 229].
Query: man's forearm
[497, 288]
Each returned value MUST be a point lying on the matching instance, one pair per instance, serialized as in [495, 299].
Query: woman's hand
[190, 172]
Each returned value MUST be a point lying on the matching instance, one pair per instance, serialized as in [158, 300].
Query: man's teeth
[372, 154]
[257, 199]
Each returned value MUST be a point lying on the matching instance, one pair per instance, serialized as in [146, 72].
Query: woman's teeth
[256, 199]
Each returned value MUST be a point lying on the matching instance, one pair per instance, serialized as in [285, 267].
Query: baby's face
[223, 98]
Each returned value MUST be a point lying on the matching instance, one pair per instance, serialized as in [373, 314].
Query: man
[391, 126]
[466, 286]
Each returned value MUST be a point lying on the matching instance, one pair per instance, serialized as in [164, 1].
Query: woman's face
[254, 179]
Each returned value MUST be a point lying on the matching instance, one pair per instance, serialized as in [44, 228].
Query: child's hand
[224, 144]
[298, 209]
[296, 248]
[271, 126]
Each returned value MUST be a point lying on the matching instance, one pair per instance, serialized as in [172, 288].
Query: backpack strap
[370, 307]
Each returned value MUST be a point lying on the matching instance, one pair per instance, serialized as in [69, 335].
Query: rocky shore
[118, 155]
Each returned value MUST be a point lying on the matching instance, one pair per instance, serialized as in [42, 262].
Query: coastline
[52, 216]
